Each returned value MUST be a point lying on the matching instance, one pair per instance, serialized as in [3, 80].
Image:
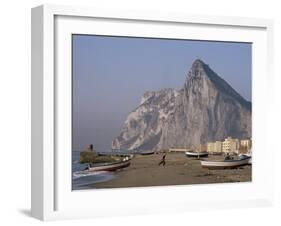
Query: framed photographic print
[137, 112]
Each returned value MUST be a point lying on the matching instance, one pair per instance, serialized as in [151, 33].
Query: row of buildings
[229, 145]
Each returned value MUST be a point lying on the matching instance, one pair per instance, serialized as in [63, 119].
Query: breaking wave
[79, 174]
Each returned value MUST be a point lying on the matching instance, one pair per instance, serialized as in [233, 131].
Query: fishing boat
[196, 154]
[225, 164]
[109, 166]
[147, 152]
[248, 154]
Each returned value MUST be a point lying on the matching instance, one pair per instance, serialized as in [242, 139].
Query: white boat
[109, 166]
[196, 154]
[248, 154]
[244, 160]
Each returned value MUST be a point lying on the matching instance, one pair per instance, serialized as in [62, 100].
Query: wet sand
[179, 170]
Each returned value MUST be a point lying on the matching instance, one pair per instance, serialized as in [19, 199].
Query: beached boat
[232, 163]
[109, 166]
[147, 152]
[248, 154]
[196, 154]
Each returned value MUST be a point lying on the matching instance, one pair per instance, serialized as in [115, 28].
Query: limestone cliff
[207, 108]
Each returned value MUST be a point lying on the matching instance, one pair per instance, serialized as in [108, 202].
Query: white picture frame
[52, 197]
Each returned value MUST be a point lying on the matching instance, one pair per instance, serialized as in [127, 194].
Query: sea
[87, 180]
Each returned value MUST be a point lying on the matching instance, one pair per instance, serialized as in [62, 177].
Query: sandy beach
[179, 170]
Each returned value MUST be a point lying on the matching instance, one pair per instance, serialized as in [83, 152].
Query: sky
[110, 74]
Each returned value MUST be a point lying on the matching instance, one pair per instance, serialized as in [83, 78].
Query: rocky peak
[206, 109]
[197, 65]
[201, 71]
[196, 71]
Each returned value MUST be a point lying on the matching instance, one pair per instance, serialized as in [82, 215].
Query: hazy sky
[110, 74]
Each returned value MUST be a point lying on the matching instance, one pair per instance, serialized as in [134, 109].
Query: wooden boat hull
[147, 153]
[110, 167]
[229, 164]
[196, 154]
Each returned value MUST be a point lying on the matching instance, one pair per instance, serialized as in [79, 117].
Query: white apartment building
[230, 145]
[214, 147]
[247, 143]
[226, 146]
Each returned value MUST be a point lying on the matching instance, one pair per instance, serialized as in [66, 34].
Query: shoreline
[179, 170]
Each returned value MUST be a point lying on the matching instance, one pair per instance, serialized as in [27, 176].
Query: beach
[179, 170]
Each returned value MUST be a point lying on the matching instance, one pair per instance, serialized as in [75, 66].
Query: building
[230, 145]
[210, 147]
[245, 145]
[218, 146]
[214, 147]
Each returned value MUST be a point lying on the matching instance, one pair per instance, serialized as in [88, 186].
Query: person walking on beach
[163, 161]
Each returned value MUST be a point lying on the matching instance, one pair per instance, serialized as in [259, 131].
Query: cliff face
[207, 108]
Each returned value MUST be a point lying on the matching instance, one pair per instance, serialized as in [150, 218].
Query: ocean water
[87, 180]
